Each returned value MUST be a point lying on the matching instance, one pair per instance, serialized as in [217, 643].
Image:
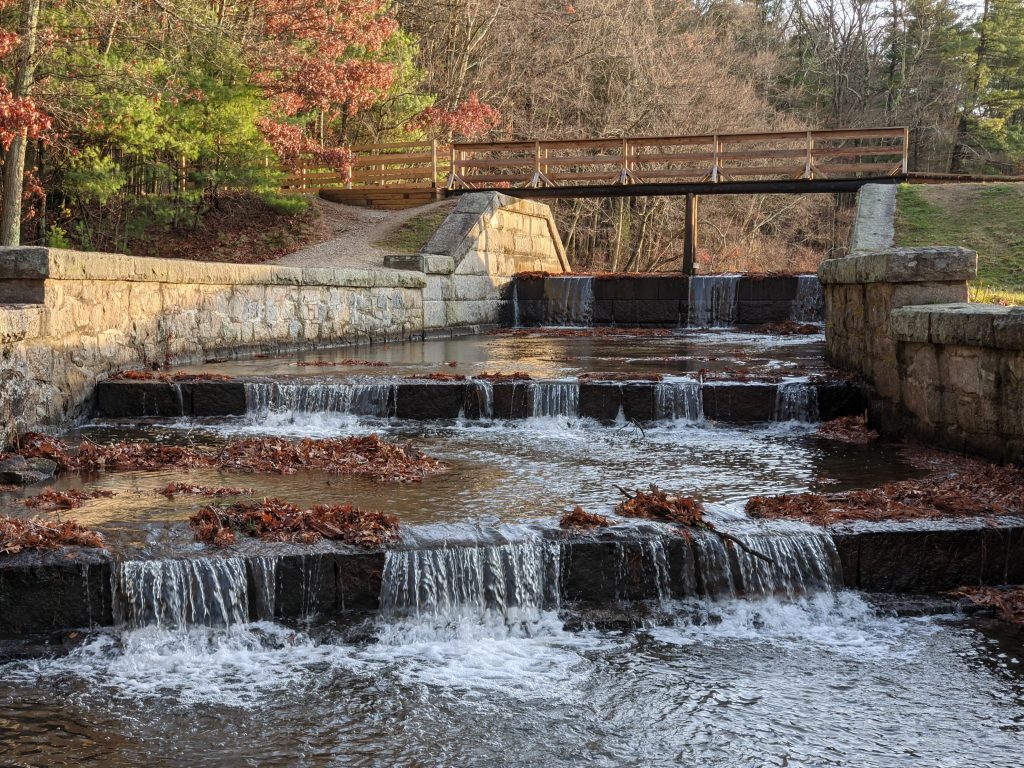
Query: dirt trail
[351, 233]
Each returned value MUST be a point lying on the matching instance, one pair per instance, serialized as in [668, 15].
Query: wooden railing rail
[394, 165]
[653, 159]
[781, 155]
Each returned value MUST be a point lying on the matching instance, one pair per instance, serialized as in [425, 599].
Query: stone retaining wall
[471, 259]
[68, 319]
[939, 368]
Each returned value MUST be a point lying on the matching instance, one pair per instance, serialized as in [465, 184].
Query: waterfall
[369, 399]
[712, 301]
[569, 300]
[513, 581]
[554, 398]
[680, 400]
[515, 303]
[212, 592]
[809, 302]
[482, 404]
[796, 401]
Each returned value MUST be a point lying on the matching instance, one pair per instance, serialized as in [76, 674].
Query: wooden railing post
[809, 162]
[904, 166]
[690, 235]
[433, 163]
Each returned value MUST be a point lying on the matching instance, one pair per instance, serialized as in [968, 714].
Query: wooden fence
[396, 165]
[786, 155]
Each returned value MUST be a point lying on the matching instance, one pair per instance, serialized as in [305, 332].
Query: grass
[988, 218]
[413, 234]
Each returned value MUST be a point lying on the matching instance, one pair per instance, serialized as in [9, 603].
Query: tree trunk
[14, 161]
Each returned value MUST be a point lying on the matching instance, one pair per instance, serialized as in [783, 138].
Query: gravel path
[353, 232]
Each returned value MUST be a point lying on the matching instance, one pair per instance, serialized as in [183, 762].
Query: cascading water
[361, 399]
[211, 592]
[554, 398]
[513, 582]
[483, 394]
[809, 302]
[569, 300]
[712, 301]
[679, 400]
[802, 563]
[796, 401]
[515, 304]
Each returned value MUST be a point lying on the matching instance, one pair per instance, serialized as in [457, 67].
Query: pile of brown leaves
[787, 328]
[17, 535]
[969, 488]
[1008, 602]
[277, 520]
[173, 489]
[345, 362]
[368, 456]
[499, 378]
[167, 377]
[72, 499]
[580, 520]
[847, 429]
[658, 505]
[437, 376]
[590, 332]
[587, 378]
[744, 375]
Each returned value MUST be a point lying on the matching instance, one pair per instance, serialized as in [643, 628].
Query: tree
[19, 118]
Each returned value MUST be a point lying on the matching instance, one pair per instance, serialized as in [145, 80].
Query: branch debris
[681, 510]
[167, 377]
[277, 520]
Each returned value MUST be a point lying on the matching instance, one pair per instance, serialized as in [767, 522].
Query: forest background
[127, 123]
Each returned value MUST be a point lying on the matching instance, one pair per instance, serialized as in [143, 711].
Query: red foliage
[469, 119]
[72, 499]
[17, 535]
[580, 520]
[277, 520]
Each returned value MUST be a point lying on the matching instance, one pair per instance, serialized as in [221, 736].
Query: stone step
[604, 401]
[57, 592]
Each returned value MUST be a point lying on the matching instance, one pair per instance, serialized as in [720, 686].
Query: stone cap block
[973, 325]
[934, 264]
[60, 264]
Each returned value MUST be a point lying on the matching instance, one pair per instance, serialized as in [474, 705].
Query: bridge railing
[828, 154]
[394, 165]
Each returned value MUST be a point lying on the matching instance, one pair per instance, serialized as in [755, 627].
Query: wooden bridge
[406, 174]
[789, 162]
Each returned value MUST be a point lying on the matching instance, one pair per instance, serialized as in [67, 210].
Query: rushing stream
[483, 652]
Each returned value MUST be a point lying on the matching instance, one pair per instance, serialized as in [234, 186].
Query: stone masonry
[937, 367]
[70, 319]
